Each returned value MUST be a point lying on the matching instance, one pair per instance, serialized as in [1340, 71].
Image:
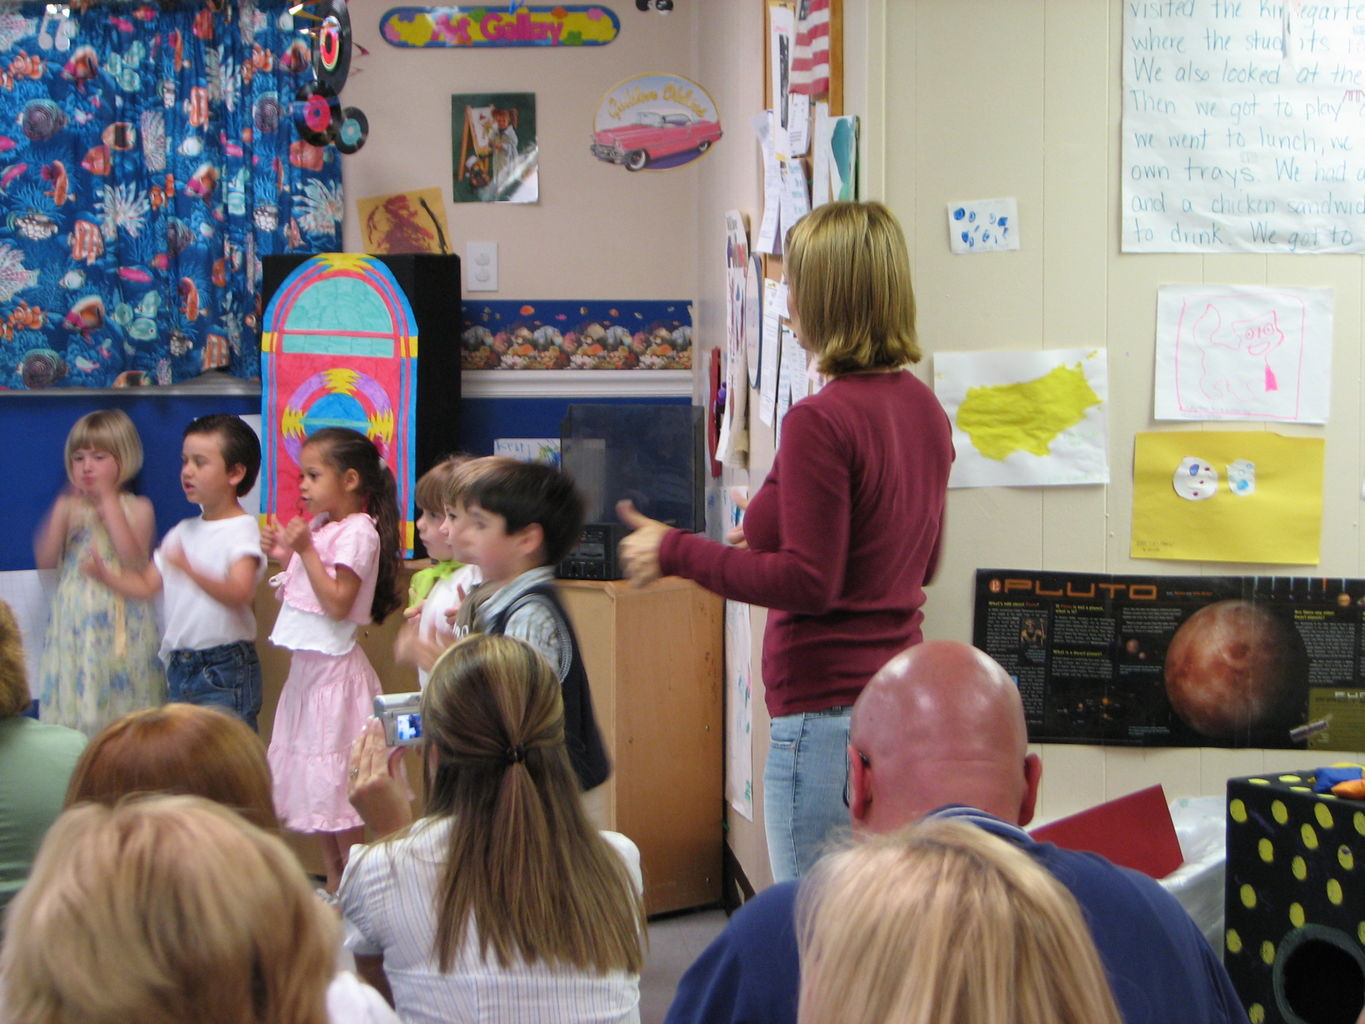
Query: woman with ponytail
[503, 904]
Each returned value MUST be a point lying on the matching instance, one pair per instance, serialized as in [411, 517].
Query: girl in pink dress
[342, 574]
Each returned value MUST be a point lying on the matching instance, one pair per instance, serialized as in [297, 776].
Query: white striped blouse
[387, 897]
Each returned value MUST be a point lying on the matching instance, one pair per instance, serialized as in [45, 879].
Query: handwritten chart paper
[1216, 519]
[1243, 126]
[1243, 353]
[1026, 418]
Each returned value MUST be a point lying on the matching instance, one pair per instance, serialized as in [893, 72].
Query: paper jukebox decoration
[338, 349]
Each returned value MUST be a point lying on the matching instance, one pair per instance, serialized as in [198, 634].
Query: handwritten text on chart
[1243, 126]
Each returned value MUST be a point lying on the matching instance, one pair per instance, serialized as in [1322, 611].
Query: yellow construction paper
[1280, 521]
[404, 222]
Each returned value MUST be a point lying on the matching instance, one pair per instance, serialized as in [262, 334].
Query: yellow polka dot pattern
[1295, 868]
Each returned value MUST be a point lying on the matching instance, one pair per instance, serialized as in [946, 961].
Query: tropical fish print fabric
[148, 160]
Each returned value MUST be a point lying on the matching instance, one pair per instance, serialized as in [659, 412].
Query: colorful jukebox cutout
[338, 349]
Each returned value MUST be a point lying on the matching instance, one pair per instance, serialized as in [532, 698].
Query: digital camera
[402, 718]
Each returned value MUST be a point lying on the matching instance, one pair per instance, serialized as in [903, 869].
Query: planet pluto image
[1235, 671]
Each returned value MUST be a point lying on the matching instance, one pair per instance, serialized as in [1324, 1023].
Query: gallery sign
[484, 25]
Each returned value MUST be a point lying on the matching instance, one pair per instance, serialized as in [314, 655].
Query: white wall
[1021, 98]
[598, 232]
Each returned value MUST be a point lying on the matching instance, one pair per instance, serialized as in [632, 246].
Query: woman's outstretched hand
[639, 551]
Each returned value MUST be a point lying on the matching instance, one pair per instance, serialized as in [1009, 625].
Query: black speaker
[432, 285]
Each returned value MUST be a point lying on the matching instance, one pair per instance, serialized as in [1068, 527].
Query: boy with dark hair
[209, 566]
[516, 521]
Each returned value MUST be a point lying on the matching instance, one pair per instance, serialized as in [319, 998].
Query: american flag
[810, 58]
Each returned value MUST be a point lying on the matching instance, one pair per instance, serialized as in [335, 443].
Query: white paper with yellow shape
[1026, 418]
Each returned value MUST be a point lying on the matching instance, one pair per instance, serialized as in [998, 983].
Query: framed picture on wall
[496, 157]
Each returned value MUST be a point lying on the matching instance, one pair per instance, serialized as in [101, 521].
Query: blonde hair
[14, 693]
[848, 272]
[163, 910]
[107, 430]
[524, 862]
[943, 923]
[431, 485]
[178, 748]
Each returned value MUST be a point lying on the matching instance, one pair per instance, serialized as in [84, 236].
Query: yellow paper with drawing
[1227, 496]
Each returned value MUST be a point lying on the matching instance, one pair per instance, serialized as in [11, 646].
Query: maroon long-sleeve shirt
[842, 537]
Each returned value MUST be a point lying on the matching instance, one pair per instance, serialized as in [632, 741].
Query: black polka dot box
[1294, 935]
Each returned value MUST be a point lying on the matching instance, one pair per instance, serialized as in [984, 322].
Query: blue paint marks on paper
[983, 225]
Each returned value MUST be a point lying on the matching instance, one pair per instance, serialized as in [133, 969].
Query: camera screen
[408, 727]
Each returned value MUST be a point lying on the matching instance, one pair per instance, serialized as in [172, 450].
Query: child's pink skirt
[322, 709]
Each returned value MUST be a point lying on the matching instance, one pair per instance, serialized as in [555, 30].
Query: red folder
[1135, 830]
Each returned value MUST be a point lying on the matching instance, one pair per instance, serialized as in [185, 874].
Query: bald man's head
[940, 723]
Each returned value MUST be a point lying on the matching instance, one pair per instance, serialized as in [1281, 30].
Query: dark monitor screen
[651, 454]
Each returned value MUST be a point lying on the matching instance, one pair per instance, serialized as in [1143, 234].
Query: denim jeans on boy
[803, 788]
[227, 677]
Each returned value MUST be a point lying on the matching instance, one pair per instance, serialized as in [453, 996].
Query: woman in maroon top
[844, 533]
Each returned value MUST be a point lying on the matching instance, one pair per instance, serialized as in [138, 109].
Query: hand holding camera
[376, 783]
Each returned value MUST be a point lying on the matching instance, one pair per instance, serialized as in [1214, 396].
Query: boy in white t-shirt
[209, 566]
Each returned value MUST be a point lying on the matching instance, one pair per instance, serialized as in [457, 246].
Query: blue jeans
[227, 677]
[803, 788]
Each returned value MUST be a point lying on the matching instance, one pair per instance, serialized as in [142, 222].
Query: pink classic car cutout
[654, 136]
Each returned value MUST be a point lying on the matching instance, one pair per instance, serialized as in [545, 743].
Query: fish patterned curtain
[148, 161]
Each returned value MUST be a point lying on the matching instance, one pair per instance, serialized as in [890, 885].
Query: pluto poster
[1180, 661]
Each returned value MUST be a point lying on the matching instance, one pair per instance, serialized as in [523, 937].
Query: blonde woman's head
[943, 923]
[848, 279]
[163, 910]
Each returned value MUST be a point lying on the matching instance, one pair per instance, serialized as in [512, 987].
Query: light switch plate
[481, 266]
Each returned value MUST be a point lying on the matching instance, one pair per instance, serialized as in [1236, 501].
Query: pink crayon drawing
[1240, 355]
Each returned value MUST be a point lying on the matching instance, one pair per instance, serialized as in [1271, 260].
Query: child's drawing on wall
[496, 155]
[404, 222]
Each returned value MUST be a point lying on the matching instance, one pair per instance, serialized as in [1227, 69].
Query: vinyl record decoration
[353, 130]
[317, 113]
[332, 44]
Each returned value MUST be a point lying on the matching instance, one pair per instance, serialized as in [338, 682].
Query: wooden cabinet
[654, 660]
